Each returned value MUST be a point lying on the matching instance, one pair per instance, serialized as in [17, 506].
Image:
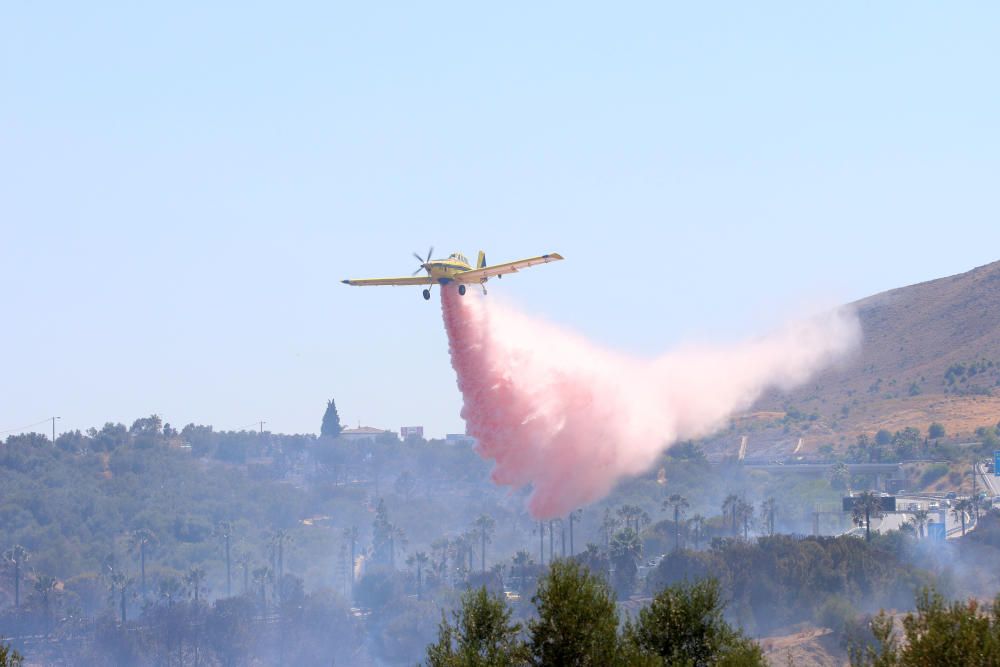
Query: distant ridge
[929, 352]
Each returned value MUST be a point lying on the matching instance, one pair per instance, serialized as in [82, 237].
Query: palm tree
[552, 555]
[140, 541]
[541, 541]
[698, 523]
[420, 560]
[745, 510]
[439, 556]
[642, 520]
[486, 526]
[521, 561]
[17, 556]
[121, 584]
[396, 534]
[277, 543]
[224, 530]
[261, 576]
[194, 578]
[960, 509]
[920, 518]
[626, 549]
[679, 504]
[595, 560]
[729, 508]
[499, 571]
[573, 516]
[608, 526]
[351, 534]
[767, 511]
[170, 590]
[243, 559]
[45, 585]
[630, 514]
[867, 505]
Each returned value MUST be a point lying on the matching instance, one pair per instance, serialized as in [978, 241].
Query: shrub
[933, 473]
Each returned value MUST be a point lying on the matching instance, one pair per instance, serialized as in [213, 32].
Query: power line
[24, 428]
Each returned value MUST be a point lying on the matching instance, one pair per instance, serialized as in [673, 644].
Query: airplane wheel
[461, 290]
[427, 295]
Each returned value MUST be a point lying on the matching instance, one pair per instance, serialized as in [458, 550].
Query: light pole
[54, 429]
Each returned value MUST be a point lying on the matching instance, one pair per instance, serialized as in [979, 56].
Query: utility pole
[262, 426]
[54, 429]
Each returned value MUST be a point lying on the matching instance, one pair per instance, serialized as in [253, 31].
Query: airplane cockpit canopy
[459, 256]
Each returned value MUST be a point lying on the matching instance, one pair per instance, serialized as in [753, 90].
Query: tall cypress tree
[331, 421]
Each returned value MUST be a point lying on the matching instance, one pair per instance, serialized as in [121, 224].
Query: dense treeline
[576, 622]
[151, 541]
[765, 580]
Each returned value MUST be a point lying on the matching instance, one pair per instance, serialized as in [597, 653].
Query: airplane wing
[475, 275]
[416, 280]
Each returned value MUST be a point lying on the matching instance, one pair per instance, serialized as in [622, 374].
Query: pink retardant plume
[570, 418]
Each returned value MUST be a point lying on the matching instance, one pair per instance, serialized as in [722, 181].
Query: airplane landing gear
[483, 285]
[427, 295]
[461, 290]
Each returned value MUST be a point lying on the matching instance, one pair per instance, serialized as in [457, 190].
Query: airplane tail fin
[481, 262]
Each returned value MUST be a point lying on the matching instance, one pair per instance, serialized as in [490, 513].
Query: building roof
[364, 430]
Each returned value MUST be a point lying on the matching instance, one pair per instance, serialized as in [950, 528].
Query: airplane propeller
[423, 262]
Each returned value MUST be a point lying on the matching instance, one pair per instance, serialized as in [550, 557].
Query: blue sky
[183, 186]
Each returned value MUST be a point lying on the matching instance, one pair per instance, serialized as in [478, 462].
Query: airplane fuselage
[446, 270]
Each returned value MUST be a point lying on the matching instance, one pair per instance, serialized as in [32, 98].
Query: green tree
[935, 431]
[229, 629]
[939, 633]
[577, 621]
[683, 625]
[330, 427]
[482, 635]
[679, 504]
[9, 657]
[867, 505]
[840, 476]
[485, 524]
[16, 557]
[883, 437]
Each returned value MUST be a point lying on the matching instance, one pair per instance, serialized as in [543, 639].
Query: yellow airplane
[455, 269]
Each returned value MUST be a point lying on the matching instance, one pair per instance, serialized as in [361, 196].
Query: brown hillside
[930, 352]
